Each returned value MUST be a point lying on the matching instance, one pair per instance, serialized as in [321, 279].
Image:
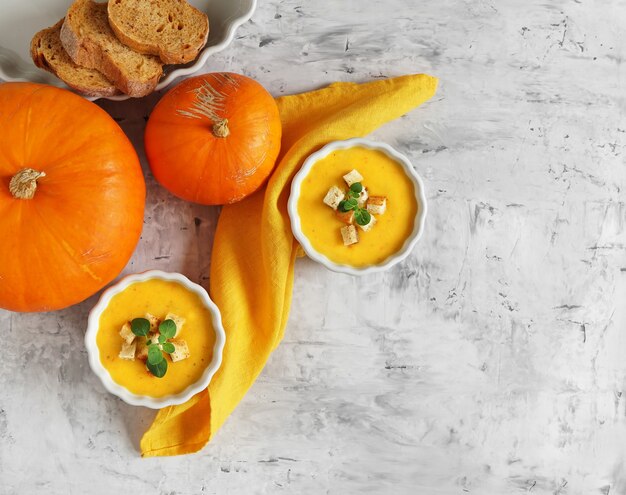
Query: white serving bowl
[20, 20]
[144, 400]
[420, 197]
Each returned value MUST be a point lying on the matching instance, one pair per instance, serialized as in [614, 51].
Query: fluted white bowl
[420, 197]
[144, 400]
[20, 20]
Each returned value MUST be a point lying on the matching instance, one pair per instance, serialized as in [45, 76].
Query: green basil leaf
[167, 328]
[342, 206]
[140, 327]
[148, 342]
[169, 347]
[362, 217]
[155, 355]
[162, 339]
[357, 187]
[158, 369]
[351, 204]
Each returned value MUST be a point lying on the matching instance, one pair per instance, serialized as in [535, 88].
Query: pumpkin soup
[170, 311]
[357, 206]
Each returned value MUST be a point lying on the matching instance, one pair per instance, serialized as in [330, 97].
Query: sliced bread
[48, 54]
[90, 42]
[171, 29]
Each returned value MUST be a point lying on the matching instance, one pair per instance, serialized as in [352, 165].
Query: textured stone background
[490, 362]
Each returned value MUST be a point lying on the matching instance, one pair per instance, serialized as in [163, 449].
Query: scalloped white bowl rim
[234, 23]
[144, 400]
[420, 197]
[204, 55]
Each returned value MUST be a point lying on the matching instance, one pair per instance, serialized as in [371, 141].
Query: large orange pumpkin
[72, 196]
[214, 138]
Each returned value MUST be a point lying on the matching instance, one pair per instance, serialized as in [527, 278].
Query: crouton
[126, 333]
[367, 227]
[178, 320]
[349, 235]
[154, 322]
[377, 205]
[362, 199]
[181, 351]
[352, 177]
[333, 197]
[346, 217]
[142, 350]
[128, 351]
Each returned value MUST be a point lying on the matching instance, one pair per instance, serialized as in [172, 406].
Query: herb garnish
[156, 363]
[361, 215]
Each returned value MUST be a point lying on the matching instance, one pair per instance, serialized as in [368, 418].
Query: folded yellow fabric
[254, 251]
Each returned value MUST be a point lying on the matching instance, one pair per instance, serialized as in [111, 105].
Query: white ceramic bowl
[143, 400]
[420, 196]
[20, 20]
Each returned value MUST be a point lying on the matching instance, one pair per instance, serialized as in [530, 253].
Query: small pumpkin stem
[209, 103]
[24, 183]
[220, 129]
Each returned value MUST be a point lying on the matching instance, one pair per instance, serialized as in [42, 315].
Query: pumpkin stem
[209, 103]
[220, 129]
[24, 183]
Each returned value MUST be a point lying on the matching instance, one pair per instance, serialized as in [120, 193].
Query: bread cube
[349, 235]
[181, 351]
[362, 199]
[128, 351]
[142, 350]
[346, 217]
[178, 320]
[333, 197]
[377, 205]
[127, 333]
[154, 322]
[352, 177]
[367, 227]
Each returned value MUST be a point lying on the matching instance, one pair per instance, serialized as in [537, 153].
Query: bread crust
[87, 52]
[55, 66]
[185, 53]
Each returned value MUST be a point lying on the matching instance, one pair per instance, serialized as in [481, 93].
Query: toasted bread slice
[90, 42]
[48, 54]
[171, 29]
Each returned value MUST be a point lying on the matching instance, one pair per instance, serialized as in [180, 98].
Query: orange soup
[157, 297]
[383, 177]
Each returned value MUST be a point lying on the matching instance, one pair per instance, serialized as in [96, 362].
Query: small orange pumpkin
[71, 198]
[214, 138]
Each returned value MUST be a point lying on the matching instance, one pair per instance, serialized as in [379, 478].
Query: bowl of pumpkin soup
[357, 206]
[155, 339]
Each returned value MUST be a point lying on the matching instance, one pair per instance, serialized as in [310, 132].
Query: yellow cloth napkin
[254, 251]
